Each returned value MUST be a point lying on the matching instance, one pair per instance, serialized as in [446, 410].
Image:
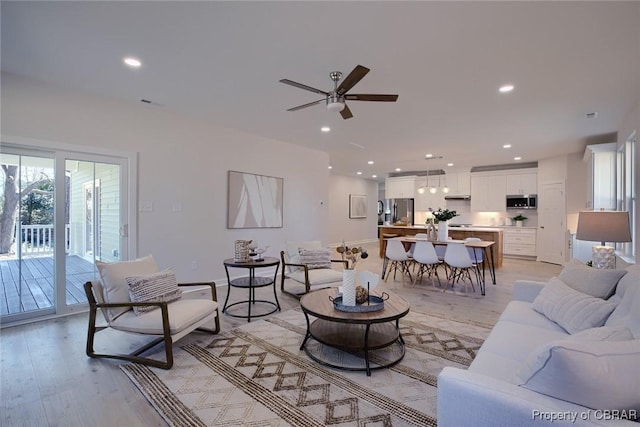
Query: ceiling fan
[335, 99]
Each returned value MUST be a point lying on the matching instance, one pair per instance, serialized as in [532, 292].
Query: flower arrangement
[353, 255]
[444, 214]
[519, 217]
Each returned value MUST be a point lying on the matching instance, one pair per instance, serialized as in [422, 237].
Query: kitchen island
[457, 233]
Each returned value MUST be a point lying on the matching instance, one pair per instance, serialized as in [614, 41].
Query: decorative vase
[443, 231]
[519, 223]
[349, 287]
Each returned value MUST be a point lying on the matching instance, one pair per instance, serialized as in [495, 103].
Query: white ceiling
[221, 62]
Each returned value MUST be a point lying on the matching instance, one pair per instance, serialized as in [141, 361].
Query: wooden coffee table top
[319, 305]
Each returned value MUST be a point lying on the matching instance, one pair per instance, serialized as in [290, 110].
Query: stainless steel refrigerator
[401, 208]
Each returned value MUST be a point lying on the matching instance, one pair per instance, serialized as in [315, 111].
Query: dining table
[481, 244]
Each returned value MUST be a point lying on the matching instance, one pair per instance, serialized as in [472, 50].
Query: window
[626, 191]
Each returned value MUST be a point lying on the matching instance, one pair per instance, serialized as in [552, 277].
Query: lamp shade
[603, 226]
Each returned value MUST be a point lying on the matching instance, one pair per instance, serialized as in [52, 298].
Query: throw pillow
[155, 287]
[315, 258]
[595, 374]
[603, 333]
[113, 276]
[293, 251]
[572, 310]
[599, 283]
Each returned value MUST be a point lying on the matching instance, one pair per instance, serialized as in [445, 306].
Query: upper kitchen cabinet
[459, 183]
[522, 182]
[401, 187]
[601, 176]
[488, 192]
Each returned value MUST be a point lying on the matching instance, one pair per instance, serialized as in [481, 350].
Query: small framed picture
[357, 206]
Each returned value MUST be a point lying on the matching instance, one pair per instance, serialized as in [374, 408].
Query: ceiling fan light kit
[335, 99]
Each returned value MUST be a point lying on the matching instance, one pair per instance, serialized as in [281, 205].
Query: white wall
[180, 160]
[341, 227]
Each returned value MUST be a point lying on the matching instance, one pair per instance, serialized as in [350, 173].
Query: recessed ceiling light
[370, 162]
[374, 176]
[428, 156]
[506, 146]
[132, 62]
[449, 164]
[359, 173]
[330, 167]
[325, 129]
[506, 88]
[398, 169]
[517, 158]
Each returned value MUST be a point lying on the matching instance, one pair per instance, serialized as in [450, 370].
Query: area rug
[256, 375]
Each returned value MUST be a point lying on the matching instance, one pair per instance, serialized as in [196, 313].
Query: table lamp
[604, 226]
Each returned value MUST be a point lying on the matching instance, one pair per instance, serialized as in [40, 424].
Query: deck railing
[38, 238]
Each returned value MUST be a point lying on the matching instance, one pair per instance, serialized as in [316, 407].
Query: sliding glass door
[59, 213]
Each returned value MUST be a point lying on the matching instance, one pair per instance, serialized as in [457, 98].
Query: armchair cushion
[182, 314]
[161, 286]
[315, 258]
[113, 275]
[293, 251]
[318, 277]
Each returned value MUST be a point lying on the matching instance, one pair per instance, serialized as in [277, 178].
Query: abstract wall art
[254, 201]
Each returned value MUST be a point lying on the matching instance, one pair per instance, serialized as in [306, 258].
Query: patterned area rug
[256, 375]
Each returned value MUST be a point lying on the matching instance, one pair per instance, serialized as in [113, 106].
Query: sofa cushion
[113, 276]
[508, 345]
[595, 374]
[599, 283]
[156, 287]
[523, 313]
[293, 251]
[627, 313]
[573, 310]
[315, 258]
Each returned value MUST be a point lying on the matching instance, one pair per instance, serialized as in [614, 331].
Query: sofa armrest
[526, 290]
[467, 398]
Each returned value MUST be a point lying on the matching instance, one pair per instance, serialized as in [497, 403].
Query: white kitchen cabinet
[459, 183]
[488, 193]
[522, 183]
[427, 200]
[520, 241]
[402, 187]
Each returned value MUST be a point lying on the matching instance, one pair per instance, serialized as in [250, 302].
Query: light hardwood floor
[47, 380]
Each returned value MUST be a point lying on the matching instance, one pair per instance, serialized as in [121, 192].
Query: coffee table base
[354, 347]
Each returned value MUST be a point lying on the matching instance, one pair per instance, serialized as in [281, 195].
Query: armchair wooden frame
[166, 336]
[307, 284]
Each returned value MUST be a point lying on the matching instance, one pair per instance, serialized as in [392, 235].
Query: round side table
[251, 282]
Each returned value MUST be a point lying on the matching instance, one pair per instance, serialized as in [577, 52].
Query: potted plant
[519, 219]
[442, 216]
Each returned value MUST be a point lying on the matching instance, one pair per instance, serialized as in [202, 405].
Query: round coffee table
[359, 334]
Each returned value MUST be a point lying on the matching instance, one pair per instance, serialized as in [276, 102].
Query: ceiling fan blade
[354, 77]
[301, 86]
[346, 112]
[300, 107]
[370, 97]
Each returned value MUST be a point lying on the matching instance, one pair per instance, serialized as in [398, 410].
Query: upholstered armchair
[134, 297]
[308, 266]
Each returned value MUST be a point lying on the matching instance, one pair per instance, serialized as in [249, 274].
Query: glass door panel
[27, 238]
[94, 210]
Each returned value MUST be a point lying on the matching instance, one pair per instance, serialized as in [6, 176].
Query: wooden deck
[37, 283]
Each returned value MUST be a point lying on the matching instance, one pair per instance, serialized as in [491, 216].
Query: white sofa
[530, 371]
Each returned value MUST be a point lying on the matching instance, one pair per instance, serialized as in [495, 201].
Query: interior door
[552, 230]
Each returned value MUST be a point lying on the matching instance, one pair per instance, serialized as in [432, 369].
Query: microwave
[522, 201]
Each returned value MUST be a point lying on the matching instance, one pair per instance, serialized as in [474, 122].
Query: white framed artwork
[357, 206]
[254, 201]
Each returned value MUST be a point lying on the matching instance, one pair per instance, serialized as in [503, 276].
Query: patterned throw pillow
[161, 286]
[315, 258]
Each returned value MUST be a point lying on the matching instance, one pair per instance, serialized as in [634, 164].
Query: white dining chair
[460, 264]
[399, 259]
[425, 256]
[476, 254]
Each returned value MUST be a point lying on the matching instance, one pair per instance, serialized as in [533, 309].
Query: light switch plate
[145, 206]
